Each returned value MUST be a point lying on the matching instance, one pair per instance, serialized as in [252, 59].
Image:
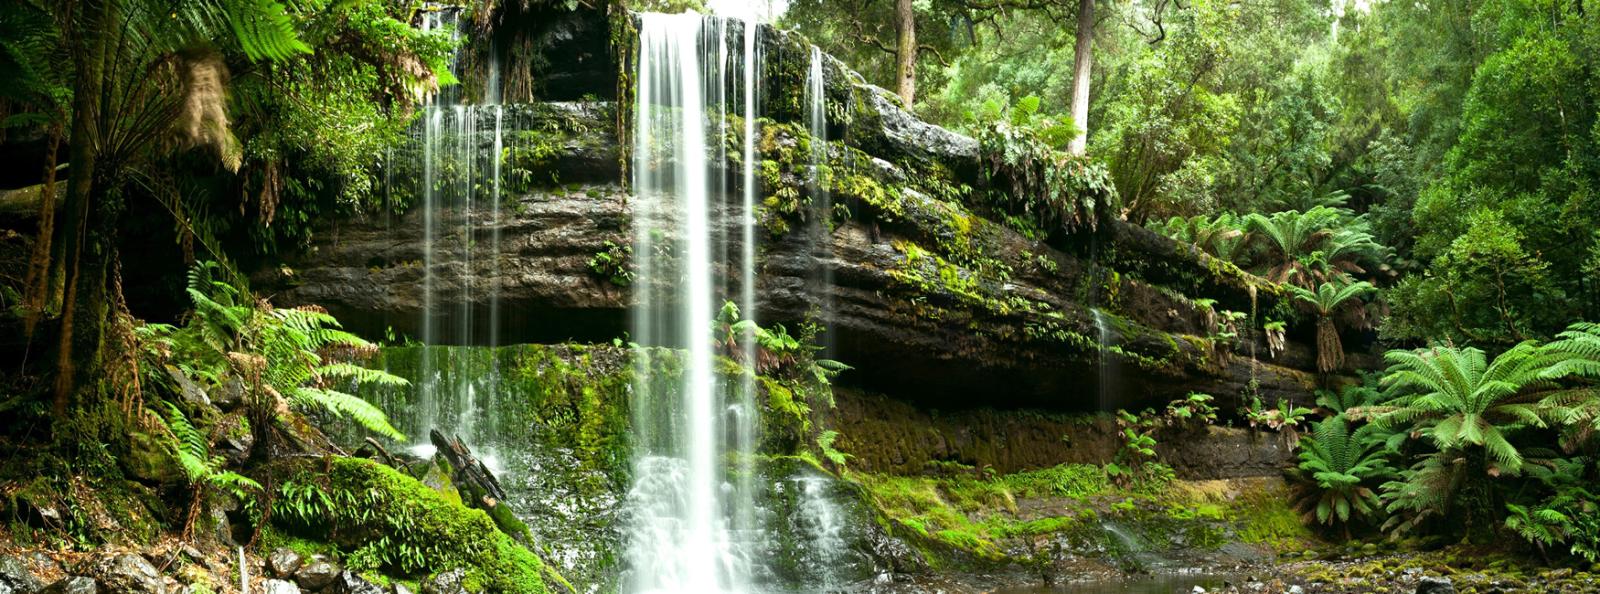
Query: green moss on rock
[381, 518]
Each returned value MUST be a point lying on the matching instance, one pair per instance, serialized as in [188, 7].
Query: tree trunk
[79, 257]
[1330, 352]
[1081, 61]
[905, 68]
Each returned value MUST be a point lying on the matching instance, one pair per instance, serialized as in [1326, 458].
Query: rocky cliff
[943, 289]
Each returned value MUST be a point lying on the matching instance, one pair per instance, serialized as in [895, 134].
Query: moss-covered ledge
[379, 520]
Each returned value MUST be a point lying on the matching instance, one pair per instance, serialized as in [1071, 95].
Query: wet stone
[316, 575]
[448, 582]
[350, 583]
[75, 584]
[279, 587]
[15, 578]
[284, 563]
[127, 573]
[1435, 585]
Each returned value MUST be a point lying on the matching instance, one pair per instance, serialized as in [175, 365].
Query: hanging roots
[1330, 353]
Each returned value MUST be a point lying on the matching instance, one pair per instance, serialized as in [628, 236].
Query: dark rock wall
[889, 435]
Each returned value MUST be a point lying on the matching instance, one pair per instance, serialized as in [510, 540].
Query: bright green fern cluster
[299, 355]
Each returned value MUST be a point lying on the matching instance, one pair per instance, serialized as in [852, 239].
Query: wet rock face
[993, 316]
[888, 435]
[126, 573]
[16, 578]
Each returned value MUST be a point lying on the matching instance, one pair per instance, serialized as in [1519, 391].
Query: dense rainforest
[1023, 296]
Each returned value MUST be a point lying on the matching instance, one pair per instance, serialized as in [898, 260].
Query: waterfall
[821, 525]
[821, 223]
[692, 529]
[1108, 362]
[460, 199]
[747, 411]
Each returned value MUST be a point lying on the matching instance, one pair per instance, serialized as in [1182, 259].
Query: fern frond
[361, 375]
[341, 404]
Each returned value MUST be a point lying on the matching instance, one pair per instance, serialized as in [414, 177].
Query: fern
[341, 404]
[300, 352]
[201, 470]
[825, 443]
[1340, 466]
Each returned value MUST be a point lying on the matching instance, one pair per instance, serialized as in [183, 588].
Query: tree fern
[1460, 400]
[1313, 246]
[1576, 407]
[1326, 301]
[1340, 466]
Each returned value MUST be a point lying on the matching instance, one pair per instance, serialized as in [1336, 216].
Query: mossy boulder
[151, 457]
[382, 519]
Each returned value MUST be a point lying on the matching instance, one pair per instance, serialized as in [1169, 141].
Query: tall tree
[905, 47]
[1082, 60]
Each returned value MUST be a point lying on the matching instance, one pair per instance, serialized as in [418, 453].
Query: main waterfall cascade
[693, 529]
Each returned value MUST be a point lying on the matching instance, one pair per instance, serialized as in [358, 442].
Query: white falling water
[747, 411]
[1108, 362]
[692, 529]
[821, 526]
[459, 188]
[821, 223]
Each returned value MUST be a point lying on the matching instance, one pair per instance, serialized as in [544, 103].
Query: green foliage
[1458, 399]
[1222, 236]
[1313, 247]
[774, 349]
[1568, 516]
[384, 519]
[825, 443]
[1286, 417]
[1046, 186]
[1342, 467]
[299, 355]
[1135, 459]
[200, 468]
[613, 264]
[1478, 288]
